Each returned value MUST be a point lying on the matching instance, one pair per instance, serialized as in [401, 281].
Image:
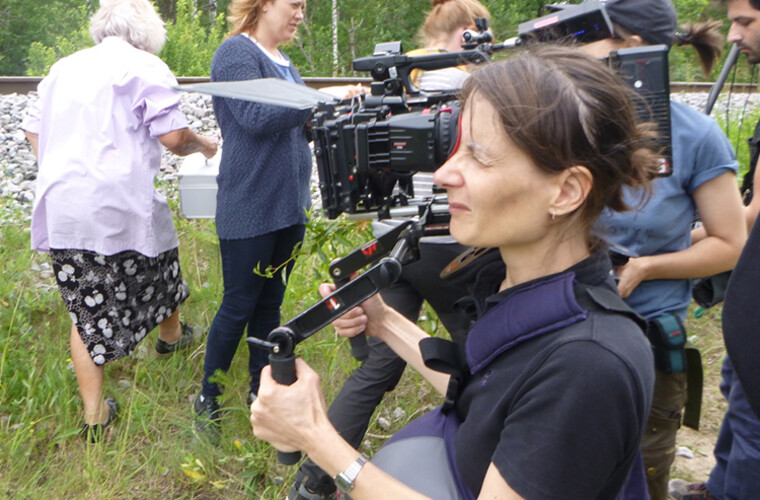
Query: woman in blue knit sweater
[263, 189]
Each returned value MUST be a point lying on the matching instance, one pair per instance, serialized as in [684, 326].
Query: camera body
[366, 156]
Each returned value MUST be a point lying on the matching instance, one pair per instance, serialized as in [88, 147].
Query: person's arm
[344, 91]
[379, 320]
[184, 141]
[34, 140]
[294, 417]
[720, 208]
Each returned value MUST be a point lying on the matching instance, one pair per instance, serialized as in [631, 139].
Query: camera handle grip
[359, 347]
[284, 372]
[358, 343]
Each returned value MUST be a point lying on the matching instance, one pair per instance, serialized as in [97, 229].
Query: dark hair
[706, 39]
[563, 108]
[755, 4]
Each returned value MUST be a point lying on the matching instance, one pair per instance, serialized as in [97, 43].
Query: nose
[447, 175]
[299, 14]
[734, 34]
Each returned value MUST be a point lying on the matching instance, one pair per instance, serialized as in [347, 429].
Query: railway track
[26, 84]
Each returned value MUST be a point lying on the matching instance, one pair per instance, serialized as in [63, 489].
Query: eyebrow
[480, 153]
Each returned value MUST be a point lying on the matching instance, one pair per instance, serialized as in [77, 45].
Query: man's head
[745, 27]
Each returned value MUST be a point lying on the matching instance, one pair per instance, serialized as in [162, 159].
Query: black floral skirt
[116, 300]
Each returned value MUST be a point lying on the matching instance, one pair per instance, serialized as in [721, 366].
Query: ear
[635, 41]
[574, 184]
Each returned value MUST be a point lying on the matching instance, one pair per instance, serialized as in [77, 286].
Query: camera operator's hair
[449, 15]
[134, 21]
[562, 109]
[244, 15]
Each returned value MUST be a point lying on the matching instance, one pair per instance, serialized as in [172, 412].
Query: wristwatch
[345, 480]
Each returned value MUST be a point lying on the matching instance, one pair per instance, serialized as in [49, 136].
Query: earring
[554, 214]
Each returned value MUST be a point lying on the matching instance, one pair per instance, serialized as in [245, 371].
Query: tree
[23, 22]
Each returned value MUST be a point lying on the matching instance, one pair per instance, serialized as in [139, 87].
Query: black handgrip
[284, 372]
[359, 347]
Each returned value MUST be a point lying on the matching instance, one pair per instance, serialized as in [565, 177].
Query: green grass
[152, 451]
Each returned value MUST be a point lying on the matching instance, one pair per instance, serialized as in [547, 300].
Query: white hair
[134, 21]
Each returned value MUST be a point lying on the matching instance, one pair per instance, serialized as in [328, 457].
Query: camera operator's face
[745, 28]
[497, 196]
[280, 18]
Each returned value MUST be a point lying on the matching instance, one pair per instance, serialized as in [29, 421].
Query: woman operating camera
[552, 395]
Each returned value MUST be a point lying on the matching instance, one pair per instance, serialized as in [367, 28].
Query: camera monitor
[583, 23]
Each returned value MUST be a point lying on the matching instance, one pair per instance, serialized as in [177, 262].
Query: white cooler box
[197, 186]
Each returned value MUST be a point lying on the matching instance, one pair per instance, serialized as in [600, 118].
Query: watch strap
[345, 480]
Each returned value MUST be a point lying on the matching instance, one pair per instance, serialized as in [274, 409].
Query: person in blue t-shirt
[657, 283]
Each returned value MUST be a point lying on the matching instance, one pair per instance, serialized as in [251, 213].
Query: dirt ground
[706, 335]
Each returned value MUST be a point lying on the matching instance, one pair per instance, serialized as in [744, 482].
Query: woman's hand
[290, 417]
[344, 91]
[359, 319]
[631, 274]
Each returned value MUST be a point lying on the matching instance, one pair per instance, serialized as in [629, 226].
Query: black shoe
[207, 415]
[189, 335]
[94, 432]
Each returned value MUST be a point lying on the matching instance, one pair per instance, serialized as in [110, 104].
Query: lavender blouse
[98, 117]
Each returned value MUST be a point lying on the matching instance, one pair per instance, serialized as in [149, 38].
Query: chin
[464, 236]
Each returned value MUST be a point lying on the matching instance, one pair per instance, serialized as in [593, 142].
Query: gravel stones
[18, 166]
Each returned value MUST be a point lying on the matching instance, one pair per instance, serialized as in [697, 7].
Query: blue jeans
[249, 299]
[736, 475]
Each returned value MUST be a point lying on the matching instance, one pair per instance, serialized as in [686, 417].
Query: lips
[458, 208]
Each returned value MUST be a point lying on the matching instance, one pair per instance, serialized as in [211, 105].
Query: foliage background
[35, 34]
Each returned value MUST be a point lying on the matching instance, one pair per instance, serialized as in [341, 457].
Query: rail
[26, 84]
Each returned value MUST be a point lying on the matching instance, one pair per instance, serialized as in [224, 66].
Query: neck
[437, 44]
[528, 262]
[265, 40]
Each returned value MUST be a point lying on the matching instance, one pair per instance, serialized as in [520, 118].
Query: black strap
[694, 380]
[445, 356]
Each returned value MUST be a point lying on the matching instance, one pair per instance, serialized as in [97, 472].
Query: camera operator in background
[554, 394]
[736, 475]
[354, 405]
[263, 189]
[97, 129]
[657, 283]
